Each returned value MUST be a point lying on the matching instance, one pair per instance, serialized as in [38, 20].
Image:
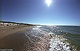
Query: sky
[60, 12]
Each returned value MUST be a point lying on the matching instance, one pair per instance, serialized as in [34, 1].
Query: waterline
[58, 43]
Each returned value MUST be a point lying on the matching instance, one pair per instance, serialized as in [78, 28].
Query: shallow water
[71, 33]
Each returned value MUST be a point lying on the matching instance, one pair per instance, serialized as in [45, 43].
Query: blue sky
[60, 12]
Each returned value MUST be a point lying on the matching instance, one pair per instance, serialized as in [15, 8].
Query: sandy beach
[7, 30]
[24, 38]
[34, 38]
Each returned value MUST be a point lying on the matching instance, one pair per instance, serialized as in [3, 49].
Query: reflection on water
[35, 39]
[71, 33]
[58, 43]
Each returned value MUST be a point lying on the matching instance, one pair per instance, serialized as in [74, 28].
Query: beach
[39, 38]
[7, 30]
[24, 38]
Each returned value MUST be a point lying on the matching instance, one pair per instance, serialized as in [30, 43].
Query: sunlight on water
[39, 26]
[57, 43]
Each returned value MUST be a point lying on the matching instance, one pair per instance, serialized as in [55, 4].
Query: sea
[62, 38]
[71, 33]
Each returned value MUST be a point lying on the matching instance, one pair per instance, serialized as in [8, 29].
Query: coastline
[7, 30]
[18, 38]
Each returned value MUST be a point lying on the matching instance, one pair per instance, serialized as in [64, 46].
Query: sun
[48, 2]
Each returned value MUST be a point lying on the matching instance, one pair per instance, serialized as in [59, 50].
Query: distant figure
[7, 25]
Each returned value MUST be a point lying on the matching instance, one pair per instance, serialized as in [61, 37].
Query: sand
[7, 30]
[23, 39]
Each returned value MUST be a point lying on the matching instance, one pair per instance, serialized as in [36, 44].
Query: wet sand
[17, 42]
[24, 39]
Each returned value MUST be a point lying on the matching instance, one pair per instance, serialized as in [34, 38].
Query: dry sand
[7, 30]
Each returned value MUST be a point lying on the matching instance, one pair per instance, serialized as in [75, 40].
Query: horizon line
[43, 24]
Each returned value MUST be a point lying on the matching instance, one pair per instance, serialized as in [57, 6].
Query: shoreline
[19, 39]
[7, 30]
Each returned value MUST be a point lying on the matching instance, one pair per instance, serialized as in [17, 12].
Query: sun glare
[48, 2]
